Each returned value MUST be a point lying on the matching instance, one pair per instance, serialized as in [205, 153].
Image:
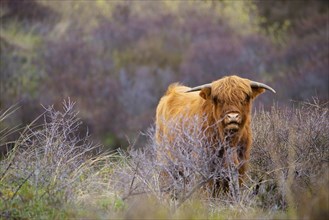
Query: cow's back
[175, 105]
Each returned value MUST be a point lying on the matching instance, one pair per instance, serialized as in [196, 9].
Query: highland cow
[226, 106]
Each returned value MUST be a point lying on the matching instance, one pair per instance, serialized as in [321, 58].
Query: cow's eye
[217, 101]
[246, 100]
[214, 100]
[220, 102]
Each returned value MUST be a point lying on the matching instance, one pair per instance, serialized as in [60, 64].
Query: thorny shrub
[290, 154]
[184, 164]
[48, 160]
[288, 168]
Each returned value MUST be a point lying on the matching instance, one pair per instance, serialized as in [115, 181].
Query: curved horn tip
[271, 89]
[261, 85]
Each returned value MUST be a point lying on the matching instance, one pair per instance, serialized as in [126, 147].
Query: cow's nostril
[233, 116]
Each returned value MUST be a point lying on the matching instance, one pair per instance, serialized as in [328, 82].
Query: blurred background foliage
[116, 58]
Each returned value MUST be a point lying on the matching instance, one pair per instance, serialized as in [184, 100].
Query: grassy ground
[53, 172]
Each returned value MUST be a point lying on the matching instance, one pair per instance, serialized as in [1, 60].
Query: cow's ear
[257, 91]
[205, 93]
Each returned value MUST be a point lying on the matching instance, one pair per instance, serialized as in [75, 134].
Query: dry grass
[55, 172]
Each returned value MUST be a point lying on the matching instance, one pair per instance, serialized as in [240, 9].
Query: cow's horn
[198, 88]
[261, 85]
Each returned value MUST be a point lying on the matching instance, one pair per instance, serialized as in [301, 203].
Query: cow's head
[231, 99]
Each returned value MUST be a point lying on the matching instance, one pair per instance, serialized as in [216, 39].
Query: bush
[54, 172]
[44, 166]
[290, 155]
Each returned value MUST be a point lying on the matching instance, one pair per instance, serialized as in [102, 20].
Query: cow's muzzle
[232, 122]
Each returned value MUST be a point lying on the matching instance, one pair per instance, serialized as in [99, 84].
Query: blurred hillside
[116, 58]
